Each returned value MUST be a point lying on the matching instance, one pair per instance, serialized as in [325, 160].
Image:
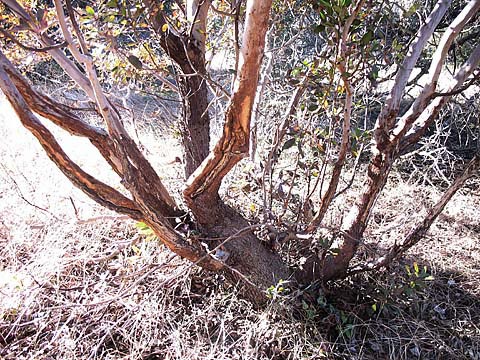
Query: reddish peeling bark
[98, 191]
[243, 257]
[151, 202]
[201, 194]
[247, 259]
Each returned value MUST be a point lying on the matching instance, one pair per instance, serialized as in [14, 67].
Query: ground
[80, 282]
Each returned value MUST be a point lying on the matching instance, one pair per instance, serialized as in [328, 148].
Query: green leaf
[367, 37]
[407, 268]
[412, 9]
[136, 62]
[110, 18]
[334, 251]
[416, 268]
[324, 3]
[141, 225]
[296, 71]
[89, 10]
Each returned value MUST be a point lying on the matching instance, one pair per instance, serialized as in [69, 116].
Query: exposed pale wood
[438, 61]
[68, 65]
[201, 193]
[63, 117]
[428, 116]
[389, 113]
[385, 151]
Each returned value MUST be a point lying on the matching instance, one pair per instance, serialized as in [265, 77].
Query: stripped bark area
[201, 193]
[98, 191]
[387, 139]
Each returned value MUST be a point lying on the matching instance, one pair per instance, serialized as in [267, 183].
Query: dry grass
[72, 285]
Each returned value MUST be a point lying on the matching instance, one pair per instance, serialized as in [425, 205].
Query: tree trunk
[195, 120]
[188, 51]
[248, 261]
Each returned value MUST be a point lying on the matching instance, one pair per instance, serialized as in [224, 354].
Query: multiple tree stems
[201, 193]
[389, 131]
[150, 201]
[342, 66]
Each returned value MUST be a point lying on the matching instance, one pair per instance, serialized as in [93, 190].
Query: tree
[343, 64]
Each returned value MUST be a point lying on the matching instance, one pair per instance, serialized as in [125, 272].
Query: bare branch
[342, 61]
[30, 48]
[62, 116]
[387, 117]
[428, 116]
[98, 191]
[416, 234]
[258, 99]
[189, 53]
[279, 135]
[68, 65]
[111, 117]
[384, 153]
[461, 89]
[151, 204]
[438, 61]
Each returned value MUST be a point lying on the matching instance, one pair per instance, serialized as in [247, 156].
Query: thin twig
[30, 48]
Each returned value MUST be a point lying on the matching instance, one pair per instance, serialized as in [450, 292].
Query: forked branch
[201, 193]
[428, 116]
[388, 115]
[438, 61]
[385, 149]
[62, 116]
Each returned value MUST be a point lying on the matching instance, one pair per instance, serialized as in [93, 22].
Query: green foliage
[146, 231]
[275, 291]
[417, 278]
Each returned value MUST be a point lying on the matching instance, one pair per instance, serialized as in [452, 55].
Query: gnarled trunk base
[250, 260]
